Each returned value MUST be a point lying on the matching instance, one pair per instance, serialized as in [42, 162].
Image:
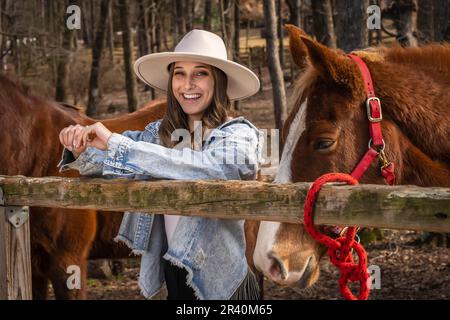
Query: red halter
[376, 142]
[340, 249]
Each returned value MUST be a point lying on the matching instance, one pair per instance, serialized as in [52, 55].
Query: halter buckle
[369, 110]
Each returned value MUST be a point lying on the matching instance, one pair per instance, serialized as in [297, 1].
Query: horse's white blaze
[267, 229]
[284, 174]
[266, 238]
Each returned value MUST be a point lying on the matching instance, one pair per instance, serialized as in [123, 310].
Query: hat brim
[152, 69]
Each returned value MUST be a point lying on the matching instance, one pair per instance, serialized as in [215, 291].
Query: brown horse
[30, 146]
[327, 131]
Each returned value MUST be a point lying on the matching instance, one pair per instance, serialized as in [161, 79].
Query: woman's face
[193, 86]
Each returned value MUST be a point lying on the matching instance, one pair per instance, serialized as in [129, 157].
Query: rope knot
[340, 249]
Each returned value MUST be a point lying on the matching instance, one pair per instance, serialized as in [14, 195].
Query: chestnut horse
[63, 237]
[30, 146]
[327, 131]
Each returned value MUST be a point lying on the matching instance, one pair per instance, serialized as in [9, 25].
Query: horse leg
[40, 287]
[39, 278]
[68, 277]
[68, 258]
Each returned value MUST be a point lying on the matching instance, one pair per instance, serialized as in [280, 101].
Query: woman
[197, 258]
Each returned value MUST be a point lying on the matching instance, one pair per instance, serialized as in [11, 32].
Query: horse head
[328, 131]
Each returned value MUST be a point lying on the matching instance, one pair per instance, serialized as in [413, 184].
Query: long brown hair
[215, 114]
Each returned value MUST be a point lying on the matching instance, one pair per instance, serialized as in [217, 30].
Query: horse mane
[435, 57]
[430, 58]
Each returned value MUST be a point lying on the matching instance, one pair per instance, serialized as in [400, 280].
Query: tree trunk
[280, 32]
[63, 59]
[294, 12]
[276, 74]
[425, 21]
[189, 11]
[154, 31]
[157, 30]
[229, 26]
[223, 28]
[405, 22]
[180, 21]
[237, 31]
[207, 15]
[236, 41]
[153, 39]
[441, 20]
[143, 29]
[351, 28]
[323, 22]
[97, 49]
[2, 29]
[111, 33]
[87, 28]
[127, 41]
[144, 20]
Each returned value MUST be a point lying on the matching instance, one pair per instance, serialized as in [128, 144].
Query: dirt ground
[407, 271]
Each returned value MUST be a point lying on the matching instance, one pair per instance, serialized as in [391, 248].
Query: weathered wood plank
[397, 207]
[15, 260]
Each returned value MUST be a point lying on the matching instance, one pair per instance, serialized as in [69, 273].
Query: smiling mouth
[191, 97]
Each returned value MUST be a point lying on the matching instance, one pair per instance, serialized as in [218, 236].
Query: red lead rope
[340, 249]
[344, 259]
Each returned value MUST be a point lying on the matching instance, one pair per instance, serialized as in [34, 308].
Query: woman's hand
[77, 138]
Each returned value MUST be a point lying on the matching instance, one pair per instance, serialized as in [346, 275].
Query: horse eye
[323, 144]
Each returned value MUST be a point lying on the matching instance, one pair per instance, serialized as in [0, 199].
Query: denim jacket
[212, 251]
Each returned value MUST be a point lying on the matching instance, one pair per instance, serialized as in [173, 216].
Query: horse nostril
[277, 269]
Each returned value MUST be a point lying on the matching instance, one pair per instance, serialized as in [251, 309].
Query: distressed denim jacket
[212, 251]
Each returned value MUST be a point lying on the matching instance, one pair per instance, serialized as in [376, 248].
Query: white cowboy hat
[198, 46]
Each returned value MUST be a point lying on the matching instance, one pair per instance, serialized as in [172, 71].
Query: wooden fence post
[15, 253]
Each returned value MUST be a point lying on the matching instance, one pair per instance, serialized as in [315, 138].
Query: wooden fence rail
[397, 207]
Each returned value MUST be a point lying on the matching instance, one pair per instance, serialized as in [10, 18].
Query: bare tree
[155, 35]
[143, 36]
[404, 15]
[280, 30]
[237, 29]
[190, 14]
[63, 59]
[207, 15]
[441, 20]
[236, 40]
[350, 24]
[294, 12]
[223, 6]
[127, 41]
[180, 21]
[2, 31]
[88, 22]
[323, 22]
[425, 21]
[276, 73]
[97, 49]
[227, 9]
[111, 32]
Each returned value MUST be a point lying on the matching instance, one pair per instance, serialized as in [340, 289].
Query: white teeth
[191, 96]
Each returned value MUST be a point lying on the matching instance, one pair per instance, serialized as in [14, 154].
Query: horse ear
[331, 64]
[298, 49]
